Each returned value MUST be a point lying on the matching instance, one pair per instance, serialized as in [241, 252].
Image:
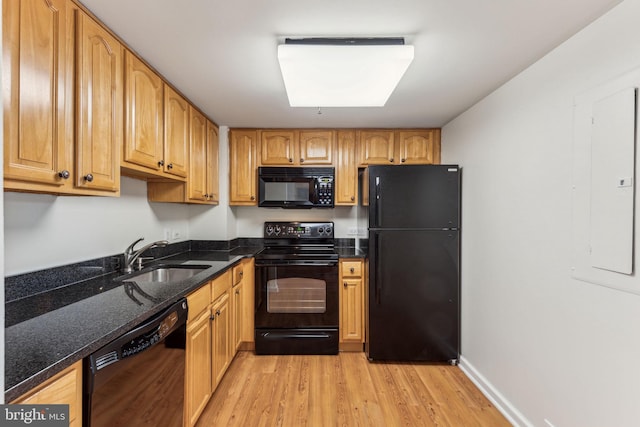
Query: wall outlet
[176, 234]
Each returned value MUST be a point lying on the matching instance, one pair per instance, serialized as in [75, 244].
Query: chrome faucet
[130, 255]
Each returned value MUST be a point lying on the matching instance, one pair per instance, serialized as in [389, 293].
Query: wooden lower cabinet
[197, 368]
[63, 388]
[352, 281]
[220, 338]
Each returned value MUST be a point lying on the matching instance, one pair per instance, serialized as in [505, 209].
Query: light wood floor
[345, 390]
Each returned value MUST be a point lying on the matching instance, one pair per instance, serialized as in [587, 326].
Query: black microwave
[295, 187]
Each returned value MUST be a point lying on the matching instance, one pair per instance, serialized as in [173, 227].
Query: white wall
[546, 345]
[43, 231]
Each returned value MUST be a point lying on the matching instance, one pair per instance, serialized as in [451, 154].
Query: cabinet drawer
[198, 301]
[351, 268]
[238, 273]
[220, 285]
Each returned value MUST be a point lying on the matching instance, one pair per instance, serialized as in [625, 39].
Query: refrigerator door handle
[378, 202]
[378, 272]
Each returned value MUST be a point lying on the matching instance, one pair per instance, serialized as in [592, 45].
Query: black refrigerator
[413, 308]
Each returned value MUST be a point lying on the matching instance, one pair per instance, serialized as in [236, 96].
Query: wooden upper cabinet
[376, 147]
[242, 167]
[346, 169]
[419, 146]
[316, 147]
[278, 147]
[144, 118]
[176, 133]
[213, 164]
[197, 182]
[37, 84]
[99, 92]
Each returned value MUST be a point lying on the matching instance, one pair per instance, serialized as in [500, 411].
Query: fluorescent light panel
[347, 74]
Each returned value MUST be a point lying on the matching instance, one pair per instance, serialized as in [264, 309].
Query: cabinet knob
[352, 270]
[170, 166]
[353, 198]
[206, 196]
[253, 197]
[241, 274]
[237, 291]
[290, 160]
[212, 317]
[301, 160]
[64, 174]
[88, 177]
[344, 284]
[403, 160]
[161, 163]
[391, 160]
[218, 313]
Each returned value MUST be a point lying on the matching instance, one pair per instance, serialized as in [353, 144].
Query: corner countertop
[44, 344]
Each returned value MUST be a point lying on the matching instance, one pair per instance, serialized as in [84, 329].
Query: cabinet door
[242, 168]
[213, 167]
[277, 147]
[99, 105]
[37, 84]
[198, 165]
[144, 118]
[316, 147]
[248, 302]
[419, 147]
[346, 169]
[221, 338]
[351, 327]
[197, 368]
[237, 299]
[63, 388]
[376, 147]
[176, 133]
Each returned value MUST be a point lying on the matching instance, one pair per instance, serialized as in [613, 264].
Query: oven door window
[296, 295]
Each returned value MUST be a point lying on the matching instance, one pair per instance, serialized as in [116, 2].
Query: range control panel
[298, 230]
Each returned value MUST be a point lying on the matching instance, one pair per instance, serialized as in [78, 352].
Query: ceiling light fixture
[342, 72]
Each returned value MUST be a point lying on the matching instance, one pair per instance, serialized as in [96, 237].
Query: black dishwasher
[138, 379]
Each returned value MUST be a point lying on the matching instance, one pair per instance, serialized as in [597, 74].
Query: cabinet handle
[403, 160]
[391, 160]
[88, 177]
[344, 284]
[161, 163]
[64, 174]
[170, 166]
[352, 270]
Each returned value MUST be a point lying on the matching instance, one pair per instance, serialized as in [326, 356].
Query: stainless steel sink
[164, 274]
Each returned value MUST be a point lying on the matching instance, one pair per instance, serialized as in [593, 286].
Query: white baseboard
[510, 412]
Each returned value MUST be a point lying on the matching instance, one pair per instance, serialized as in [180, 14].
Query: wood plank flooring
[345, 390]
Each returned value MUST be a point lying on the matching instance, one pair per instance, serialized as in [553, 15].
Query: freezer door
[414, 196]
[414, 296]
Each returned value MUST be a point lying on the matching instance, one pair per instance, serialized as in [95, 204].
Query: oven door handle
[275, 336]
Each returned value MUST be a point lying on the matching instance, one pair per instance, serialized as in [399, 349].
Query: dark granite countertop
[56, 328]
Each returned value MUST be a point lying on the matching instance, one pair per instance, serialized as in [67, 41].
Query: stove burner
[298, 242]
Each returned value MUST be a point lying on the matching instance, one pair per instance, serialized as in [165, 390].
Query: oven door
[296, 309]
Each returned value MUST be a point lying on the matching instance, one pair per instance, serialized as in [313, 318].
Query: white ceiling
[222, 55]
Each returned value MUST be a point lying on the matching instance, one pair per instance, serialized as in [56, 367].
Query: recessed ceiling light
[343, 72]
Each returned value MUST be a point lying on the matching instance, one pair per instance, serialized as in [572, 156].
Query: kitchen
[533, 335]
